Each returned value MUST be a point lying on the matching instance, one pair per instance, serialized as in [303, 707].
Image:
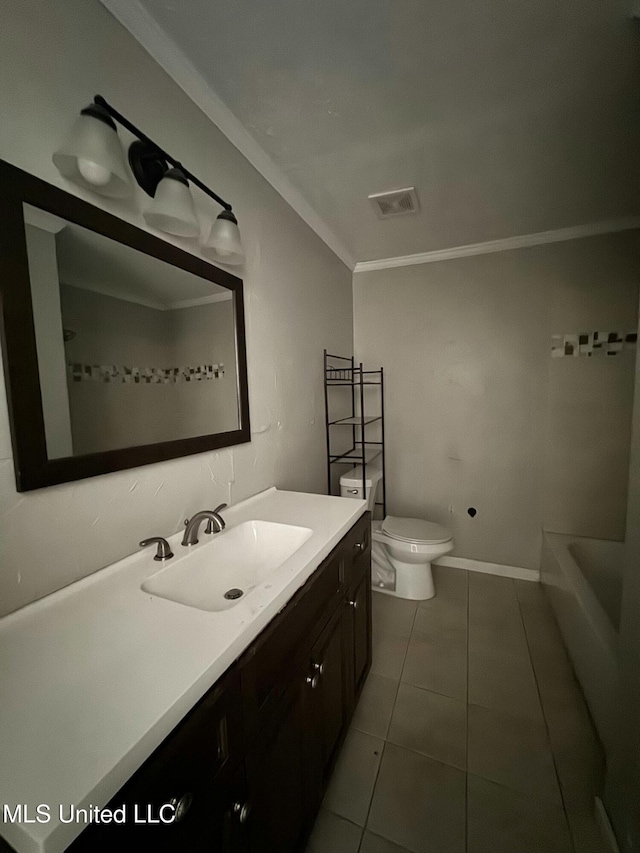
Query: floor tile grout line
[373, 793]
[404, 660]
[429, 757]
[341, 817]
[377, 835]
[384, 742]
[426, 755]
[519, 791]
[546, 725]
[435, 692]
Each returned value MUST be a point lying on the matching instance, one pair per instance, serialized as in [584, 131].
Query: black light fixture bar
[159, 152]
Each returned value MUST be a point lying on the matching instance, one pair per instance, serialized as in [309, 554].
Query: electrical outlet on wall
[450, 509]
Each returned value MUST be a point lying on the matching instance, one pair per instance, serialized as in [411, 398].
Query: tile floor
[471, 735]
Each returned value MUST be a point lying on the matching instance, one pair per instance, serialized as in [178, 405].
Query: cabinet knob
[312, 681]
[241, 811]
[319, 667]
[359, 546]
[353, 604]
[181, 805]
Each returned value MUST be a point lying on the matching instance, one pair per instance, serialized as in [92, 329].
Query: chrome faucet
[215, 524]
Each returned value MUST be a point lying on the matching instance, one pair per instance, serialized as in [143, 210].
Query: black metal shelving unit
[342, 371]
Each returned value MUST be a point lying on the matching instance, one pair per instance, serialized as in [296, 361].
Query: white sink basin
[238, 559]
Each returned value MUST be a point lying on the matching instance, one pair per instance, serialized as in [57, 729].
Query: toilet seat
[415, 530]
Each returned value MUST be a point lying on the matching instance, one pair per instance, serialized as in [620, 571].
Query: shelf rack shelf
[342, 371]
[356, 454]
[355, 420]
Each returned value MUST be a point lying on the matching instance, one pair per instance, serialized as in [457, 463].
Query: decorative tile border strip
[148, 375]
[593, 343]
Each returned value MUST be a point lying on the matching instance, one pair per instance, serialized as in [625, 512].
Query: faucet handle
[209, 528]
[164, 551]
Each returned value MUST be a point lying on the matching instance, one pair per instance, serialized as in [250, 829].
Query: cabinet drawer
[267, 667]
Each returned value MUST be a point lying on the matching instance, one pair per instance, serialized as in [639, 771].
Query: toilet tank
[351, 484]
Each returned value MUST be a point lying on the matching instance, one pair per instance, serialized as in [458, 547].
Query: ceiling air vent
[395, 202]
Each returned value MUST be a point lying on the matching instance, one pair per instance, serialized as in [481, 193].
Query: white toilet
[402, 548]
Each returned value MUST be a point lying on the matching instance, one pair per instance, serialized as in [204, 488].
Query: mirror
[130, 349]
[135, 351]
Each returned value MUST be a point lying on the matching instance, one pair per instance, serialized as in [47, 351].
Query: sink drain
[233, 593]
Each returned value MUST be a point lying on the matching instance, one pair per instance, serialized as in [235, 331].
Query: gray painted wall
[466, 348]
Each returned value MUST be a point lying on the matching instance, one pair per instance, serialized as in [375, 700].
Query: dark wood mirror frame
[32, 466]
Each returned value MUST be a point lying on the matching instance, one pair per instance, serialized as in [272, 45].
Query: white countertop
[95, 676]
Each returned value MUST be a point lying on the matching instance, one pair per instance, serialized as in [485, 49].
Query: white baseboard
[604, 825]
[489, 568]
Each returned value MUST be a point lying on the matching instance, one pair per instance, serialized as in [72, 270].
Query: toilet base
[414, 581]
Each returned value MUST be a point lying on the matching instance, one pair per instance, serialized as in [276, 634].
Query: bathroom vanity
[233, 717]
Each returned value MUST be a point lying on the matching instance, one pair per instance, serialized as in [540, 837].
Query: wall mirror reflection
[135, 351]
[130, 350]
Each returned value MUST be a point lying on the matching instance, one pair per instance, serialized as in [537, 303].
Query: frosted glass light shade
[224, 243]
[92, 155]
[172, 209]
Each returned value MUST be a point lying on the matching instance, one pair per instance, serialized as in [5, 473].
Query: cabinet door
[360, 607]
[269, 665]
[280, 773]
[328, 667]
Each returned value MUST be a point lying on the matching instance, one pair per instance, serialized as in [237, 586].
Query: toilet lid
[415, 530]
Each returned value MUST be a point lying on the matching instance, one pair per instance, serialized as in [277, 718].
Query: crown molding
[148, 33]
[522, 241]
[200, 300]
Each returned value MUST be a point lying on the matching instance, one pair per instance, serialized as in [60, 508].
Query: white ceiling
[508, 116]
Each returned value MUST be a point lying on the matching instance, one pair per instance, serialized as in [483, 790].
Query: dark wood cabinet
[297, 742]
[329, 672]
[279, 775]
[357, 576]
[247, 768]
[359, 604]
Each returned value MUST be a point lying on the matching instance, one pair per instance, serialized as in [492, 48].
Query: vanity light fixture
[92, 156]
[224, 242]
[172, 209]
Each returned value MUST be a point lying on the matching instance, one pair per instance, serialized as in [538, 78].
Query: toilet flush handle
[353, 491]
